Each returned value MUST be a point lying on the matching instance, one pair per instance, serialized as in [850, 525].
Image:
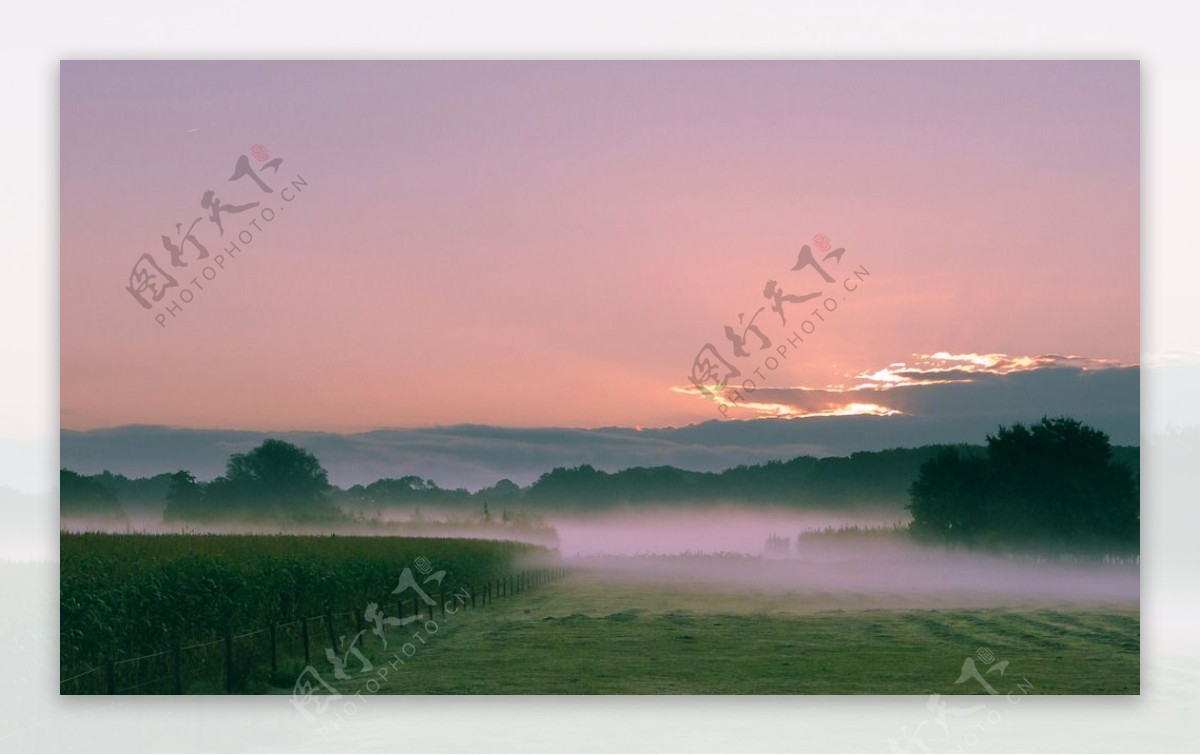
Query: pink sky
[531, 244]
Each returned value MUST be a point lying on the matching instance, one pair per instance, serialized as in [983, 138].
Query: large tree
[275, 480]
[948, 498]
[1051, 483]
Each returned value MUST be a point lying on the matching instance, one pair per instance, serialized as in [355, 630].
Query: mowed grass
[585, 635]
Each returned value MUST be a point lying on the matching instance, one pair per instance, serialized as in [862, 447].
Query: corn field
[152, 614]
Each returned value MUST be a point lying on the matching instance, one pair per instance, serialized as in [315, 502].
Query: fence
[231, 663]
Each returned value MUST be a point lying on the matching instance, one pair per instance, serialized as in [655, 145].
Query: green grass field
[205, 614]
[587, 635]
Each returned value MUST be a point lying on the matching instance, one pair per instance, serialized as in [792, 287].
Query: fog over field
[697, 551]
[672, 530]
[817, 560]
[430, 528]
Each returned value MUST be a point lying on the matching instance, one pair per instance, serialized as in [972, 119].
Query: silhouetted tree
[406, 491]
[276, 479]
[185, 498]
[948, 498]
[139, 496]
[1053, 482]
[84, 496]
[504, 491]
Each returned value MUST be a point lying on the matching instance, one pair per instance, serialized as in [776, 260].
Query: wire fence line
[226, 664]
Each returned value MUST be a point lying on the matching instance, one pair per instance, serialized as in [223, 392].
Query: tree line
[1056, 479]
[278, 479]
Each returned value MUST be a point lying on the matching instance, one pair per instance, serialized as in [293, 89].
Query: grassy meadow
[588, 634]
[211, 614]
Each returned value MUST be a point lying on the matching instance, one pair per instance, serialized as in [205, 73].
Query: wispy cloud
[806, 402]
[887, 391]
[943, 367]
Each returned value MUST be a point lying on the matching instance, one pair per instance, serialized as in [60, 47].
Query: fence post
[472, 597]
[177, 656]
[110, 677]
[274, 657]
[442, 600]
[329, 629]
[304, 638]
[229, 685]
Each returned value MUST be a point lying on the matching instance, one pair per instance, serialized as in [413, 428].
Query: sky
[553, 244]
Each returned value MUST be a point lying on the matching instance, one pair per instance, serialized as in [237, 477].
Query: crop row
[128, 595]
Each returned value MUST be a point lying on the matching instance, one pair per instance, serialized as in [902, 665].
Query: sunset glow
[564, 265]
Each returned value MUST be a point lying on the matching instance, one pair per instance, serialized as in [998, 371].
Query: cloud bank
[939, 399]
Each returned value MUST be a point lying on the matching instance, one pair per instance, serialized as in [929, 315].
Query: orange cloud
[940, 368]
